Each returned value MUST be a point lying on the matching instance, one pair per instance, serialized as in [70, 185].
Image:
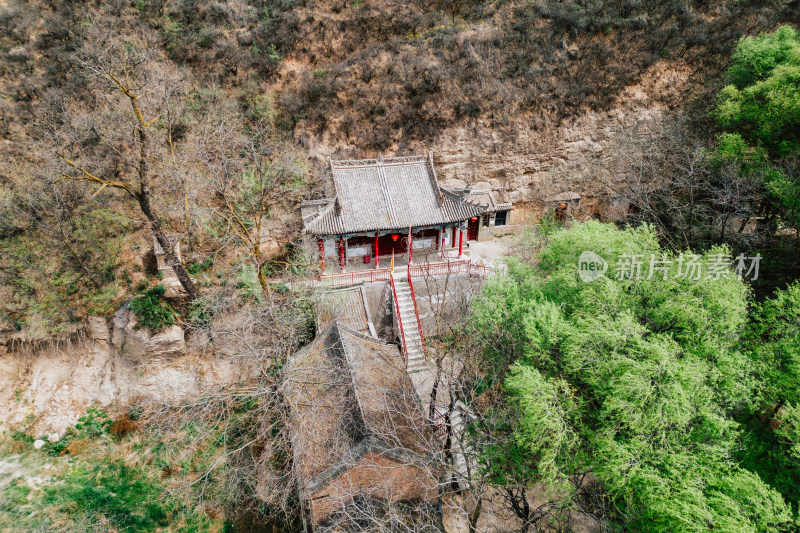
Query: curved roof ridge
[388, 194]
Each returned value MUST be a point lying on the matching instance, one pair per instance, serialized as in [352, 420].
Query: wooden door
[386, 244]
[472, 230]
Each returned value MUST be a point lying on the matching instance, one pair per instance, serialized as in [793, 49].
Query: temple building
[389, 207]
[494, 219]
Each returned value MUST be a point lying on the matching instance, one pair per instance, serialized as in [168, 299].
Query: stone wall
[442, 299]
[379, 303]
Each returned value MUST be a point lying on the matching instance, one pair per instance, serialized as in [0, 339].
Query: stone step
[408, 318]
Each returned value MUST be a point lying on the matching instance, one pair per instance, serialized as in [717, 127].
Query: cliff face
[525, 96]
[532, 166]
[110, 364]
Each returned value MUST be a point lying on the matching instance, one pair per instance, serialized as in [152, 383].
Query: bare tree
[662, 174]
[254, 175]
[128, 77]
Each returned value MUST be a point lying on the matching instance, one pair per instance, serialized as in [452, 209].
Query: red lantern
[395, 236]
[474, 219]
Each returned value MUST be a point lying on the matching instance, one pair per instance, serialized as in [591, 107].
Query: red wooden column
[453, 240]
[322, 255]
[377, 261]
[460, 240]
[410, 247]
[341, 252]
[443, 232]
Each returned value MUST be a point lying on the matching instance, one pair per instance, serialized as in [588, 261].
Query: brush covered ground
[239, 101]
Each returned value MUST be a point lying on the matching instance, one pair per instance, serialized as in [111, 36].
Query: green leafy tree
[638, 381]
[762, 102]
[773, 436]
[759, 114]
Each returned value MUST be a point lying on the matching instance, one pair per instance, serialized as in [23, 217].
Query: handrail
[458, 266]
[443, 267]
[399, 318]
[480, 270]
[382, 274]
[416, 310]
[349, 278]
[441, 424]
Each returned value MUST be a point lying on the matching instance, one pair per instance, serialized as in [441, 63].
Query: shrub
[201, 313]
[93, 425]
[153, 312]
[195, 268]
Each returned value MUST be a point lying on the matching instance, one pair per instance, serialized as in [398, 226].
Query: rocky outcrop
[138, 343]
[50, 385]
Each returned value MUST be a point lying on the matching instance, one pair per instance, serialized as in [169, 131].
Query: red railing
[349, 278]
[438, 269]
[480, 270]
[416, 310]
[459, 266]
[439, 422]
[399, 319]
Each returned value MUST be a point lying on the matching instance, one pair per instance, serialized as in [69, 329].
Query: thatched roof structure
[349, 394]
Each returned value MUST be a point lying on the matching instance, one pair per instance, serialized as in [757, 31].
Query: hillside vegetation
[666, 403]
[666, 389]
[227, 88]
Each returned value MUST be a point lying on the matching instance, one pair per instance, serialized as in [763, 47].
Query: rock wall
[109, 363]
[532, 167]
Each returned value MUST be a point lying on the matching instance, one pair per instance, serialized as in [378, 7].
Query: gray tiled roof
[483, 198]
[386, 194]
[347, 306]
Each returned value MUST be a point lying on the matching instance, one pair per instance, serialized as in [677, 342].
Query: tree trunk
[169, 252]
[262, 279]
[155, 224]
[474, 515]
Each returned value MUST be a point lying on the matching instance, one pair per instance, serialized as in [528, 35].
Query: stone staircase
[422, 377]
[459, 453]
[411, 327]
